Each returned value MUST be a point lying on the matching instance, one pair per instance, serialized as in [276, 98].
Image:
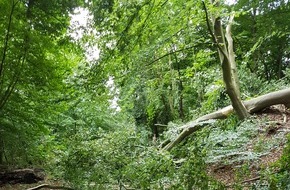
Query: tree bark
[47, 186]
[227, 60]
[253, 105]
[1, 149]
[229, 69]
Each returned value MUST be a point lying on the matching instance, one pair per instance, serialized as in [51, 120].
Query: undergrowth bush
[122, 158]
[100, 162]
[192, 174]
[281, 178]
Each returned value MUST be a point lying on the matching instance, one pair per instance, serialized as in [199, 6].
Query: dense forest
[145, 94]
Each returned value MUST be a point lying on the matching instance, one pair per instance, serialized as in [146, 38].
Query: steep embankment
[255, 150]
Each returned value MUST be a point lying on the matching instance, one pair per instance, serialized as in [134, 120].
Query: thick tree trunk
[227, 60]
[253, 105]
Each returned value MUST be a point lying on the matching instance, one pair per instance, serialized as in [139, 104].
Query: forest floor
[20, 186]
[269, 142]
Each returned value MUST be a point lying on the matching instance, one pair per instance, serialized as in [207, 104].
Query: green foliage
[280, 180]
[56, 110]
[264, 46]
[192, 173]
[118, 158]
[153, 169]
[100, 159]
[227, 143]
[34, 62]
[277, 175]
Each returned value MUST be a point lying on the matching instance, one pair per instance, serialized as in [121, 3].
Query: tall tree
[150, 47]
[33, 64]
[265, 45]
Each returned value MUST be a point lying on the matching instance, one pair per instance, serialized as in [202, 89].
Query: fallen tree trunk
[47, 186]
[253, 105]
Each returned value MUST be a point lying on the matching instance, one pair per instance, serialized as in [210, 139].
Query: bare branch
[170, 53]
[49, 187]
[212, 33]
